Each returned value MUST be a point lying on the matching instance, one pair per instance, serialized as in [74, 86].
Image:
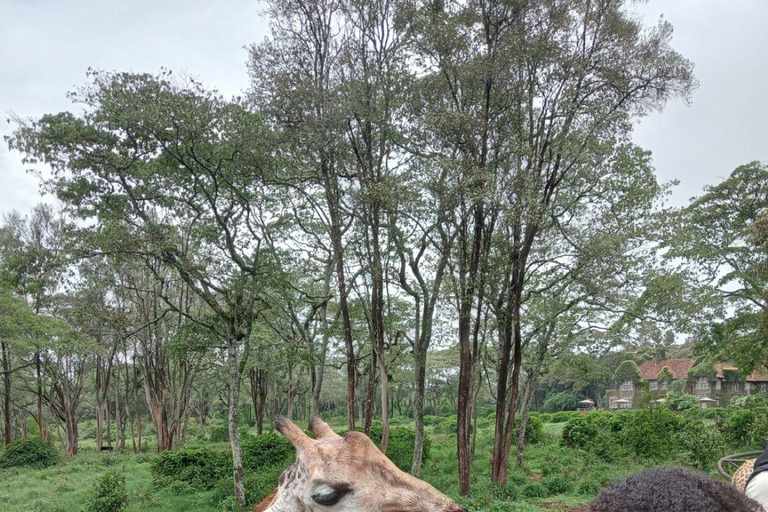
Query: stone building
[714, 390]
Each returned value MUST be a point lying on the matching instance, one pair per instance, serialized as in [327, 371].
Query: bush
[750, 401]
[557, 484]
[31, 453]
[738, 427]
[535, 490]
[702, 445]
[201, 468]
[400, 445]
[109, 494]
[268, 450]
[650, 433]
[546, 417]
[717, 414]
[534, 431]
[258, 486]
[448, 425]
[218, 434]
[680, 402]
[580, 432]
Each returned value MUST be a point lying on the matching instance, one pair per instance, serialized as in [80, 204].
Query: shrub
[650, 433]
[400, 445]
[109, 494]
[738, 426]
[534, 431]
[258, 485]
[681, 402]
[268, 450]
[557, 484]
[701, 445]
[717, 414]
[580, 432]
[32, 453]
[535, 490]
[448, 425]
[198, 467]
[218, 434]
[546, 418]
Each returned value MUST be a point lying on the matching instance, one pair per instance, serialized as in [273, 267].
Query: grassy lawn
[552, 477]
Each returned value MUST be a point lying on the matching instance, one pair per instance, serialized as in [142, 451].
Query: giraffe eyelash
[328, 500]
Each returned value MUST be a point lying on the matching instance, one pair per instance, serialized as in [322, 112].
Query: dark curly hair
[672, 490]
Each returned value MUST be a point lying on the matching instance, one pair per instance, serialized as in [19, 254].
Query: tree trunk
[39, 379]
[233, 420]
[530, 389]
[7, 434]
[332, 195]
[370, 394]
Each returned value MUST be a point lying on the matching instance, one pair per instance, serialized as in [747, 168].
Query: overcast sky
[46, 48]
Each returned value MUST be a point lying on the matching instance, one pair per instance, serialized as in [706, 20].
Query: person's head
[672, 490]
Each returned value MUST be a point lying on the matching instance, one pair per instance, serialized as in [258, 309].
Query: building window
[736, 387]
[764, 386]
[628, 386]
[702, 383]
[665, 385]
[747, 387]
[653, 385]
[718, 385]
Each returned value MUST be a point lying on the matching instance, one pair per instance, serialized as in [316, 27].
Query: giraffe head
[347, 474]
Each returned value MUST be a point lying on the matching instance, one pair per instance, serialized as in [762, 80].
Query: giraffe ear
[294, 434]
[321, 428]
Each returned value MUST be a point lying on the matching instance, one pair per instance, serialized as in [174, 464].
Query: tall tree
[710, 242]
[181, 163]
[295, 74]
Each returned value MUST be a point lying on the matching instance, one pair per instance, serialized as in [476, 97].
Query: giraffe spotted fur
[347, 474]
[742, 474]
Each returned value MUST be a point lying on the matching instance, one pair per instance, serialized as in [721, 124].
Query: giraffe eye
[327, 499]
[330, 495]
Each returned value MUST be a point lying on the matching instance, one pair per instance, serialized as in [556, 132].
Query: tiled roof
[757, 377]
[723, 366]
[649, 370]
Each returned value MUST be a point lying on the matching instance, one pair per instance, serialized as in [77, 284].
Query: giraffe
[740, 477]
[347, 474]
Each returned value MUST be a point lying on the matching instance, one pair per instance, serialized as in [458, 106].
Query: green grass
[552, 476]
[66, 486]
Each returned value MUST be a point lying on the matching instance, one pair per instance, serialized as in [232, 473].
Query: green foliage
[109, 494]
[665, 375]
[198, 467]
[750, 401]
[218, 434]
[267, 451]
[534, 431]
[32, 453]
[448, 425]
[716, 414]
[703, 369]
[557, 484]
[643, 433]
[563, 401]
[702, 445]
[680, 402]
[400, 445]
[627, 371]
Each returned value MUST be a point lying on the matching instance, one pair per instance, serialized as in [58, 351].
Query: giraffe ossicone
[334, 473]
